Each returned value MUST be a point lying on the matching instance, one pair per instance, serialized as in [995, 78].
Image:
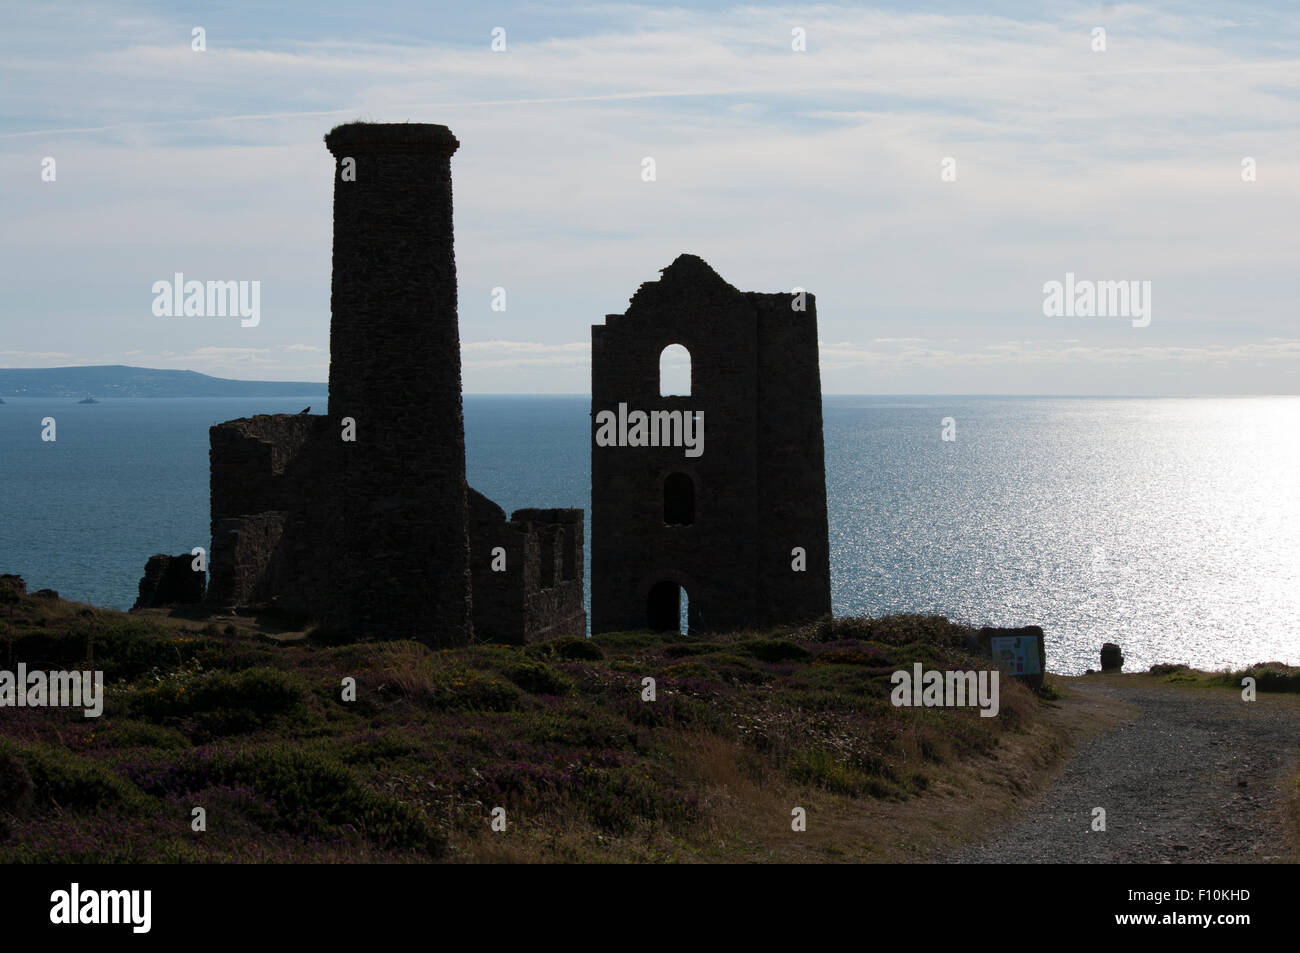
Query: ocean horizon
[1170, 525]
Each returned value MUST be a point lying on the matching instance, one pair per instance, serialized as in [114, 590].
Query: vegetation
[1268, 676]
[260, 736]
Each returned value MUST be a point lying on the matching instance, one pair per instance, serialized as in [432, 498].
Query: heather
[256, 731]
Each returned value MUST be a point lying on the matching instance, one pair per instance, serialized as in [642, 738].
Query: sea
[1168, 525]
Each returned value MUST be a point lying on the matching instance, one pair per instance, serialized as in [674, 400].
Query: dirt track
[1194, 777]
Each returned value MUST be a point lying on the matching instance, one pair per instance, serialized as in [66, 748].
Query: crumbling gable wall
[759, 487]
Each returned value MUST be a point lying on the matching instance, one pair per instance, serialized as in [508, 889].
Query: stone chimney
[401, 536]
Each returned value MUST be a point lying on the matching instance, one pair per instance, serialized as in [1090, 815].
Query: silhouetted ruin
[359, 519]
[545, 592]
[170, 580]
[738, 522]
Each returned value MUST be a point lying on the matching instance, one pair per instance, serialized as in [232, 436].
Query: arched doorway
[667, 608]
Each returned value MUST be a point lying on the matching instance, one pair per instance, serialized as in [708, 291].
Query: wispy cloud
[783, 169]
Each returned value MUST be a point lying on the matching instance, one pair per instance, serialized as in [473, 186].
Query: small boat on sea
[88, 400]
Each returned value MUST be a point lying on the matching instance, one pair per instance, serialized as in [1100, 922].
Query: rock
[1112, 659]
[17, 583]
[169, 580]
[45, 594]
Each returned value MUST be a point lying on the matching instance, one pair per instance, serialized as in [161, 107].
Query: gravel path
[1191, 780]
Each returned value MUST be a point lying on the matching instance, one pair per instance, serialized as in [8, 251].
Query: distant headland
[119, 380]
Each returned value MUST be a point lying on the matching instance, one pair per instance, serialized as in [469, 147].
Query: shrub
[222, 703]
[1050, 693]
[59, 777]
[867, 655]
[633, 640]
[772, 650]
[819, 767]
[692, 649]
[1270, 677]
[16, 787]
[469, 690]
[719, 667]
[132, 734]
[899, 629]
[538, 679]
[571, 647]
[310, 793]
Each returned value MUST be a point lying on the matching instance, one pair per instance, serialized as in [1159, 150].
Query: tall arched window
[675, 371]
[679, 499]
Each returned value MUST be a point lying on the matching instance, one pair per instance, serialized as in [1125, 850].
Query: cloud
[42, 356]
[505, 354]
[818, 170]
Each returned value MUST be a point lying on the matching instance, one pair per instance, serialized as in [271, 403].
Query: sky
[825, 168]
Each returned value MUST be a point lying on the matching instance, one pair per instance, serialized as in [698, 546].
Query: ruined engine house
[717, 496]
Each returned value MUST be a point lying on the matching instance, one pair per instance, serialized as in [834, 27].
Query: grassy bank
[743, 729]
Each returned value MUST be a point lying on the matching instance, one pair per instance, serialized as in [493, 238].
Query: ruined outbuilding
[543, 599]
[737, 523]
[359, 519]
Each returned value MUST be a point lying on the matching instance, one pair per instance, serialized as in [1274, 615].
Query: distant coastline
[119, 380]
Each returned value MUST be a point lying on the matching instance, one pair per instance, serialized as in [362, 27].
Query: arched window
[679, 499]
[667, 608]
[675, 371]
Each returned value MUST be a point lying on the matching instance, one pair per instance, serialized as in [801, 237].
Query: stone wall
[538, 594]
[270, 490]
